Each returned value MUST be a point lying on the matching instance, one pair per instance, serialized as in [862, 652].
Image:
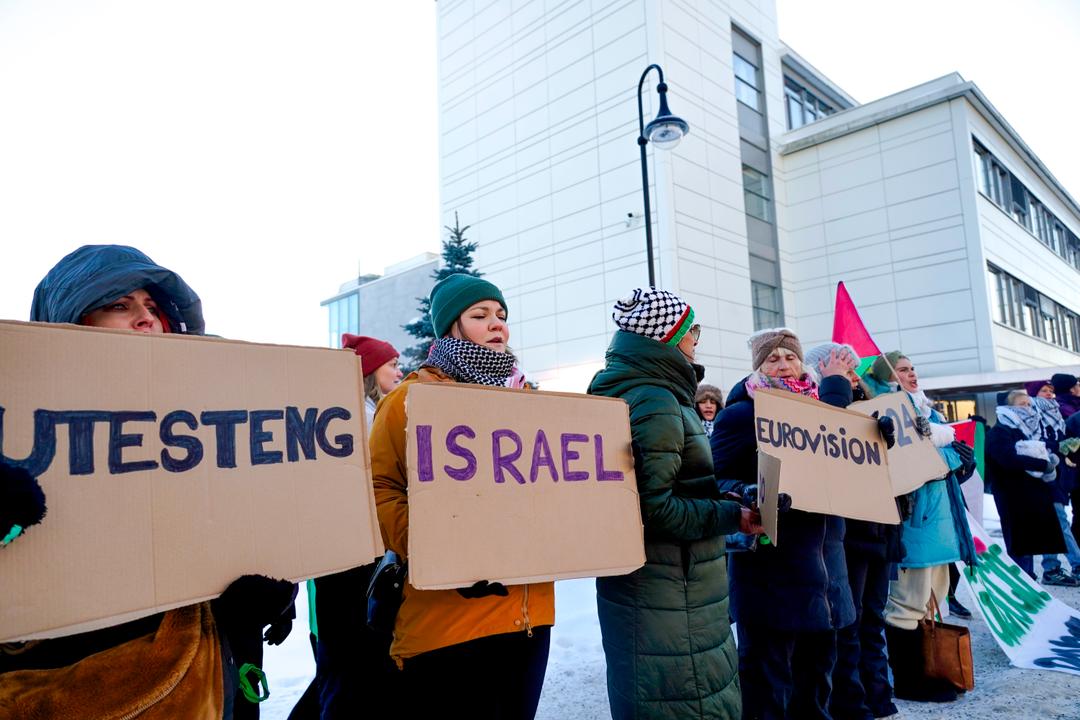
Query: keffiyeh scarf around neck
[802, 386]
[1049, 413]
[471, 363]
[1024, 419]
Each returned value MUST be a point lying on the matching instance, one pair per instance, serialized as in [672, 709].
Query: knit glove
[886, 428]
[483, 589]
[967, 460]
[1051, 469]
[22, 502]
[922, 426]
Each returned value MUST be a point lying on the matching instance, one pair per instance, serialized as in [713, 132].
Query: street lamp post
[664, 131]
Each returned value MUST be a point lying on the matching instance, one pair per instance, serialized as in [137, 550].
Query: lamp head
[665, 130]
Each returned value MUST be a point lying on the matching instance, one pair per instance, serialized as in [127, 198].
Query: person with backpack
[181, 663]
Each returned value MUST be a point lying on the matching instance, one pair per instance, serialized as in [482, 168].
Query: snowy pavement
[576, 688]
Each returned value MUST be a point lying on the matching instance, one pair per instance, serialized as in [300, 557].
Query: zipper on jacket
[825, 567]
[172, 686]
[525, 611]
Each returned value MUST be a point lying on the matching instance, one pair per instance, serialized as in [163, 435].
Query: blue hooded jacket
[95, 275]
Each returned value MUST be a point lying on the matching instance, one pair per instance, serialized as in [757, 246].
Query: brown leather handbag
[947, 650]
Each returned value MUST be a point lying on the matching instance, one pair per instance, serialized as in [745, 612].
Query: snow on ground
[576, 687]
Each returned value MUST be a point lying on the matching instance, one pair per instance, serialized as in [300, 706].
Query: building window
[344, 318]
[747, 90]
[1024, 308]
[766, 303]
[956, 409]
[756, 194]
[802, 105]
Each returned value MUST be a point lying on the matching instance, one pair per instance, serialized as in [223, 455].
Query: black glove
[750, 499]
[483, 589]
[967, 460]
[886, 428]
[906, 505]
[278, 631]
[783, 502]
[922, 426]
[22, 502]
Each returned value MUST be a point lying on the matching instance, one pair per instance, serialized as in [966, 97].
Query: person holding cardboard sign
[480, 651]
[788, 600]
[665, 627]
[935, 535]
[182, 663]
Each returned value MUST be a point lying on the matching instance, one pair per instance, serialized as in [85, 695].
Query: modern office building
[379, 305]
[954, 239]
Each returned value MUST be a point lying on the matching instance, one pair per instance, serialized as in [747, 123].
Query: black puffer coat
[800, 585]
[1025, 503]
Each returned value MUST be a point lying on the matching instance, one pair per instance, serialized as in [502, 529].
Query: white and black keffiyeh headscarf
[471, 363]
[657, 314]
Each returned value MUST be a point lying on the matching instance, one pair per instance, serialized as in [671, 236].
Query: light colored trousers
[909, 596]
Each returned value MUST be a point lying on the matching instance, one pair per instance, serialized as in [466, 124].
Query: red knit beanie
[374, 353]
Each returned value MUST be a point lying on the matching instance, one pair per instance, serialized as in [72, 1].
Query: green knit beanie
[880, 370]
[455, 294]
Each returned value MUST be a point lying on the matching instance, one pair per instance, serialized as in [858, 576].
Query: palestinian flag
[973, 434]
[848, 329]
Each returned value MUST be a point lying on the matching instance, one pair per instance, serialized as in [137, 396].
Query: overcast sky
[268, 150]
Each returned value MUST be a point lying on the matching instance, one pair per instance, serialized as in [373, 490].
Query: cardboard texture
[833, 460]
[155, 498]
[768, 494]
[913, 460]
[518, 487]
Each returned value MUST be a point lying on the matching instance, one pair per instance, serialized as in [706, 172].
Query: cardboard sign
[768, 480]
[519, 486]
[833, 461]
[172, 465]
[913, 460]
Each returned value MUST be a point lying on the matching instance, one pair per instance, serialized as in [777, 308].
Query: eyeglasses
[695, 330]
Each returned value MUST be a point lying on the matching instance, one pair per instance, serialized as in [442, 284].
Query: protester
[665, 630]
[708, 401]
[861, 686]
[352, 661]
[1040, 388]
[1067, 392]
[380, 368]
[935, 535]
[480, 651]
[182, 663]
[788, 600]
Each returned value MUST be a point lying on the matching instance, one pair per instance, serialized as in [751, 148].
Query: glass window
[756, 194]
[794, 109]
[334, 337]
[766, 303]
[746, 82]
[745, 70]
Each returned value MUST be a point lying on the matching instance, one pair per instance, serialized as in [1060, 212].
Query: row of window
[1023, 307]
[802, 105]
[344, 318]
[1003, 189]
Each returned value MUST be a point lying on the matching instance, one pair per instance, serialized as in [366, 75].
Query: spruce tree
[456, 258]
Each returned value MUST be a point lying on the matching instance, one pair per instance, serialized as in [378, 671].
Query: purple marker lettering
[505, 462]
[542, 457]
[568, 455]
[423, 453]
[467, 472]
[601, 473]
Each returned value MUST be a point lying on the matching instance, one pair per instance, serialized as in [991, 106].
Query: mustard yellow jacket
[433, 619]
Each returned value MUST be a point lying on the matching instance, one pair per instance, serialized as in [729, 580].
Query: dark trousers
[1076, 513]
[785, 675]
[861, 688]
[491, 678]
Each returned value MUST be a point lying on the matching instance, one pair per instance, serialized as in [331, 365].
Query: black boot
[906, 661]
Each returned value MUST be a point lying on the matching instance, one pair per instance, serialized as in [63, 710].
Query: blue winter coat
[937, 531]
[801, 584]
[95, 275]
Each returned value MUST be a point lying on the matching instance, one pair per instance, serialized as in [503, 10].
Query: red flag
[848, 328]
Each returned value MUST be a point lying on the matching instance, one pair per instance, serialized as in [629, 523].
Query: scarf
[1024, 419]
[802, 386]
[1050, 418]
[468, 362]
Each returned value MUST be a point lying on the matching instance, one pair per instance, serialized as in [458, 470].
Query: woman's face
[1022, 401]
[906, 375]
[688, 345]
[782, 363]
[135, 311]
[707, 408]
[484, 324]
[1046, 391]
[388, 375]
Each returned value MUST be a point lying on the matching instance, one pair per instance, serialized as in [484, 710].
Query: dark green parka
[665, 627]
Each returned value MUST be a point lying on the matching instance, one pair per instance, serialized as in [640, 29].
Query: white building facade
[783, 187]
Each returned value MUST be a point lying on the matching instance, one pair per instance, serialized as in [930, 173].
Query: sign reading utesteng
[172, 465]
[519, 486]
